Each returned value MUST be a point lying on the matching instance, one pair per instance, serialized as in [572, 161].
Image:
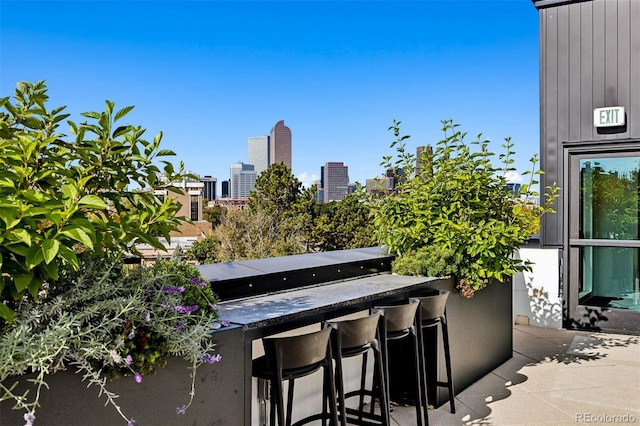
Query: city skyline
[210, 74]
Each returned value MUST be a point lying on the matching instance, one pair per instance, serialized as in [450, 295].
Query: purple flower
[128, 360]
[29, 418]
[137, 377]
[131, 422]
[186, 309]
[147, 317]
[213, 306]
[225, 322]
[211, 359]
[180, 325]
[165, 304]
[131, 335]
[172, 290]
[197, 281]
[181, 410]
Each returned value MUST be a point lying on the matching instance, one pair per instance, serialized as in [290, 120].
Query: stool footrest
[368, 419]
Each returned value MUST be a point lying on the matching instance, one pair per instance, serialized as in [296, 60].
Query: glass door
[604, 241]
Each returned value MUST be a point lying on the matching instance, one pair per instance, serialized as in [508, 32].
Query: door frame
[576, 315]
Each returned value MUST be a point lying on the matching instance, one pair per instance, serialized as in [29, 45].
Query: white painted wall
[535, 294]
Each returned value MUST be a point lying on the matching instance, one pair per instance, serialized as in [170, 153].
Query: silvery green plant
[81, 326]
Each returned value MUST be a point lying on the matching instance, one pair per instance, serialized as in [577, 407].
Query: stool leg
[340, 387]
[418, 380]
[363, 376]
[447, 357]
[272, 405]
[277, 387]
[384, 401]
[290, 401]
[333, 403]
[423, 365]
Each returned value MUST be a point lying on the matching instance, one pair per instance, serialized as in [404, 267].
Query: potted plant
[453, 214]
[68, 215]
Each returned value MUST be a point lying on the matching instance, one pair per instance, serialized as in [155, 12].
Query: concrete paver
[556, 377]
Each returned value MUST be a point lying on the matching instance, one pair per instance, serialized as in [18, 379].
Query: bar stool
[358, 337]
[293, 357]
[433, 312]
[400, 322]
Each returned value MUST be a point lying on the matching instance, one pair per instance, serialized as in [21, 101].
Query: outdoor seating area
[555, 377]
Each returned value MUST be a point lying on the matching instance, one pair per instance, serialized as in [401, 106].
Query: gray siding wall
[589, 58]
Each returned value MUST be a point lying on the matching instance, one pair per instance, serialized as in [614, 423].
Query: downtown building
[280, 145]
[242, 180]
[334, 181]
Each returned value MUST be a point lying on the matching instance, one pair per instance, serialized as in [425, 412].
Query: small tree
[344, 224]
[59, 197]
[459, 206]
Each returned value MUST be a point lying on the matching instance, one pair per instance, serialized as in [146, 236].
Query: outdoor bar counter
[299, 305]
[287, 294]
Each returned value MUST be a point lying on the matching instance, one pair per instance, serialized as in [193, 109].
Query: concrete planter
[153, 402]
[481, 339]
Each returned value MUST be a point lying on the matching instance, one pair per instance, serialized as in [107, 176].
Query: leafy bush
[452, 202]
[107, 322]
[428, 261]
[69, 211]
[59, 197]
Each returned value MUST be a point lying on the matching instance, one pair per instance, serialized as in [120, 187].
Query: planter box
[480, 337]
[153, 402]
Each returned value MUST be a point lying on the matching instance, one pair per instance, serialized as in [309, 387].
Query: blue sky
[210, 74]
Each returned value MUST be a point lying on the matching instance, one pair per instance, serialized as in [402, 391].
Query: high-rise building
[243, 180]
[258, 153]
[209, 190]
[335, 181]
[224, 186]
[420, 152]
[280, 144]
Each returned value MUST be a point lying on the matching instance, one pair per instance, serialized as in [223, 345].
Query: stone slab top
[319, 300]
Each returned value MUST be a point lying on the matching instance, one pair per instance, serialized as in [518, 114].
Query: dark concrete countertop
[293, 306]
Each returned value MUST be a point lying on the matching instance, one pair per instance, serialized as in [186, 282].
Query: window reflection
[609, 201]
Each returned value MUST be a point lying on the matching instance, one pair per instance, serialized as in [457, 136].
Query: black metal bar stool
[292, 357]
[358, 337]
[433, 312]
[400, 322]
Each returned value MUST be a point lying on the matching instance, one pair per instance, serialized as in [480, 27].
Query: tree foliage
[62, 195]
[344, 224]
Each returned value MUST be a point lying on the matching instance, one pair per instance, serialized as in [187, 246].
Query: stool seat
[400, 322]
[292, 357]
[433, 313]
[358, 337]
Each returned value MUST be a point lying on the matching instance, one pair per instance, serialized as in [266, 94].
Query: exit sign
[608, 116]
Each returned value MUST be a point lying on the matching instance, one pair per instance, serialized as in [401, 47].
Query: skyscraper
[210, 184]
[280, 144]
[258, 153]
[243, 180]
[335, 181]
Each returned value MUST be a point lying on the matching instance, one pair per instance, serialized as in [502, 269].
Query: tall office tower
[210, 184]
[420, 151]
[335, 177]
[224, 193]
[258, 153]
[243, 180]
[280, 144]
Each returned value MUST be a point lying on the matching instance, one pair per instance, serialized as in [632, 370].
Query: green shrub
[60, 196]
[458, 205]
